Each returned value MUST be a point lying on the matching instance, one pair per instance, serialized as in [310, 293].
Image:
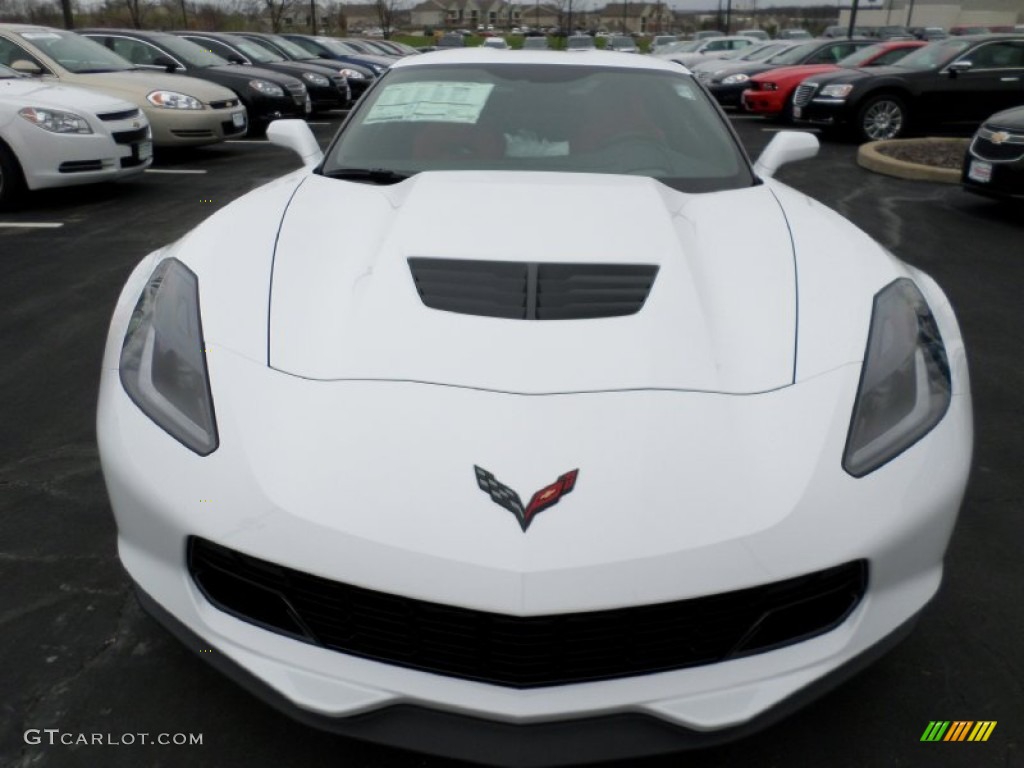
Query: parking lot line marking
[32, 224]
[175, 170]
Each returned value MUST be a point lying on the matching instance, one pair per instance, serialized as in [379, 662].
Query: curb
[869, 157]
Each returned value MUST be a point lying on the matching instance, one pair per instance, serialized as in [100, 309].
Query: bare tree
[277, 10]
[137, 10]
[386, 10]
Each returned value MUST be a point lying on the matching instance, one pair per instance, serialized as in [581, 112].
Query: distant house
[468, 14]
[635, 18]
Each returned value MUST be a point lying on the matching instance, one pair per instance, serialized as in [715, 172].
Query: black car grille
[298, 93]
[192, 133]
[532, 291]
[130, 137]
[226, 104]
[524, 651]
[803, 94]
[110, 117]
[1009, 149]
[80, 166]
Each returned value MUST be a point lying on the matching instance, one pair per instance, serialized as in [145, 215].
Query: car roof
[481, 55]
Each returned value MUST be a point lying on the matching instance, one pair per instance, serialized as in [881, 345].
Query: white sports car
[583, 493]
[60, 135]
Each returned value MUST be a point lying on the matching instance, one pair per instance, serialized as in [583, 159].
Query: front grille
[197, 133]
[524, 651]
[298, 93]
[803, 94]
[110, 117]
[1008, 150]
[130, 137]
[226, 104]
[80, 166]
[532, 291]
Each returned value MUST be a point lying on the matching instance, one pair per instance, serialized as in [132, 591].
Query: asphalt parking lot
[78, 654]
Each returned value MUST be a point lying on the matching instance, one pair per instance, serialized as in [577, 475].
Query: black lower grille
[298, 93]
[532, 291]
[80, 166]
[130, 137]
[225, 104]
[530, 651]
[192, 133]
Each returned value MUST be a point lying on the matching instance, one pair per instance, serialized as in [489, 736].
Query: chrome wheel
[882, 118]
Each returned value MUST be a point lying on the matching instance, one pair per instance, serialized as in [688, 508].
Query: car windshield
[257, 53]
[857, 58]
[761, 52]
[539, 117]
[75, 53]
[793, 55]
[190, 53]
[687, 46]
[934, 55]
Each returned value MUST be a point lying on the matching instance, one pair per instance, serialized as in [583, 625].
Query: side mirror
[963, 65]
[786, 147]
[234, 58]
[169, 66]
[296, 136]
[26, 67]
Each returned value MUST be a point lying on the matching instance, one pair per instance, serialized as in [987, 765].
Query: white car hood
[32, 92]
[720, 317]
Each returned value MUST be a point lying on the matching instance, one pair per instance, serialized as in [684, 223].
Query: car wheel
[882, 117]
[12, 183]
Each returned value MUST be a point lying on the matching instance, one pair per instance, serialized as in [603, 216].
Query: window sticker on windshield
[438, 101]
[40, 36]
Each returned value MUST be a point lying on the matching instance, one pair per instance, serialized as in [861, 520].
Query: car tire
[12, 181]
[882, 117]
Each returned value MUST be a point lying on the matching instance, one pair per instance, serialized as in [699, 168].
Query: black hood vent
[530, 290]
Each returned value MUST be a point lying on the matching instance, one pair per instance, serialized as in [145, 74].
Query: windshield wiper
[371, 175]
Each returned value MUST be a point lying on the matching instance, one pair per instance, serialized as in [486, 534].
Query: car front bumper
[993, 178]
[823, 111]
[768, 103]
[371, 484]
[728, 95]
[192, 128]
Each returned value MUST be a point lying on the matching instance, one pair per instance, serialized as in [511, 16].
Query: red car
[771, 93]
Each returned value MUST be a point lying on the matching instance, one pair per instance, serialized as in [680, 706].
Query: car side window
[11, 52]
[825, 56]
[136, 51]
[215, 46]
[1004, 54]
[889, 57]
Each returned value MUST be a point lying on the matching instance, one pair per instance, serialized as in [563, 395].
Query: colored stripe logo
[958, 730]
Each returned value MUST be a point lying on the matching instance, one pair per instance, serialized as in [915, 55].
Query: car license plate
[798, 112]
[980, 171]
[238, 119]
[145, 150]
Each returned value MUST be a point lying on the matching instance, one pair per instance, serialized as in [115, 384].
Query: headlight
[904, 383]
[734, 79]
[163, 360]
[837, 91]
[56, 120]
[314, 79]
[173, 100]
[352, 74]
[266, 87]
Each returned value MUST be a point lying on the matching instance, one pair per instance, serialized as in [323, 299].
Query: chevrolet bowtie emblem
[999, 137]
[505, 497]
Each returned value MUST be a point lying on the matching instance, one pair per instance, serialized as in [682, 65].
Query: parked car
[994, 163]
[359, 76]
[709, 48]
[707, 34]
[579, 43]
[329, 48]
[771, 93]
[756, 422]
[182, 111]
[793, 34]
[62, 135]
[658, 42]
[843, 30]
[328, 89]
[728, 82]
[451, 40]
[495, 41]
[891, 32]
[622, 44]
[535, 44]
[951, 84]
[960, 30]
[929, 33]
[267, 95]
[757, 34]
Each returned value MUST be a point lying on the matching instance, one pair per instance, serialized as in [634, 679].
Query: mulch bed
[937, 154]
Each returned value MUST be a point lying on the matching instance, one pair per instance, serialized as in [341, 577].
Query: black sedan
[948, 85]
[994, 165]
[328, 88]
[359, 75]
[266, 95]
[728, 82]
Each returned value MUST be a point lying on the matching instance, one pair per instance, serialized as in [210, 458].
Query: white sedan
[585, 494]
[59, 135]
